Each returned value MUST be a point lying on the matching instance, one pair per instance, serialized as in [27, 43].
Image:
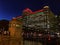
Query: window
[17, 25]
[13, 24]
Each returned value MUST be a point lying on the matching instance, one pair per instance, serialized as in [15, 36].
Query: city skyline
[13, 8]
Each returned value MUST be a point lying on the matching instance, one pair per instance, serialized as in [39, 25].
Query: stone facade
[15, 29]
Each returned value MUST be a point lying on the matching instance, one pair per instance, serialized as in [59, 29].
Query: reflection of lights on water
[39, 34]
[5, 32]
[59, 23]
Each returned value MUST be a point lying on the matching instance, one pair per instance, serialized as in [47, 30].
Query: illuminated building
[15, 26]
[15, 29]
[40, 20]
[34, 22]
[31, 24]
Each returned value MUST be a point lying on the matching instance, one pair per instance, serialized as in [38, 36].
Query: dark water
[53, 41]
[7, 40]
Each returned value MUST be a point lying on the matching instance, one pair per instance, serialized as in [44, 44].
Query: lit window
[17, 25]
[13, 24]
[48, 26]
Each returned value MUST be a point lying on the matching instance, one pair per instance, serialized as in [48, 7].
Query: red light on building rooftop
[19, 17]
[38, 11]
[27, 10]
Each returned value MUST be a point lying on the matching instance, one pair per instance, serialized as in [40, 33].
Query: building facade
[15, 26]
[30, 25]
[38, 19]
[35, 22]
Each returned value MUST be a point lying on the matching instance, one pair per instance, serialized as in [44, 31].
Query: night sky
[13, 8]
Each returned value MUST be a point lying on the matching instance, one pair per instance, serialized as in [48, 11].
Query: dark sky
[13, 8]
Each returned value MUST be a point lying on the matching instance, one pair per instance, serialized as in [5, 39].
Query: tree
[4, 24]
